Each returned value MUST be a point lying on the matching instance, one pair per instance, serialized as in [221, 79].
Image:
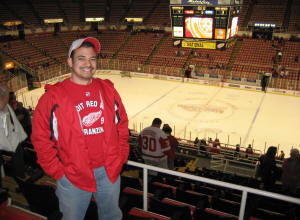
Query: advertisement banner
[174, 78]
[199, 74]
[213, 76]
[221, 45]
[193, 2]
[236, 78]
[234, 85]
[248, 87]
[199, 44]
[194, 80]
[141, 74]
[220, 33]
[297, 93]
[251, 80]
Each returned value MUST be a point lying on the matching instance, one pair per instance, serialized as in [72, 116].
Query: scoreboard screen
[204, 23]
[234, 27]
[199, 27]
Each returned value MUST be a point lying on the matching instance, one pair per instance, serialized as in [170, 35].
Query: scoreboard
[210, 24]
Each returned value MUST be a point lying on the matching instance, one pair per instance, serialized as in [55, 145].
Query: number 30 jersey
[153, 143]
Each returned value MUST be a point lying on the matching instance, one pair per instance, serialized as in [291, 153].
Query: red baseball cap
[77, 43]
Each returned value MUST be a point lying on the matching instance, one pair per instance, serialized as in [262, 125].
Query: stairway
[117, 52]
[287, 15]
[146, 18]
[248, 15]
[235, 51]
[155, 50]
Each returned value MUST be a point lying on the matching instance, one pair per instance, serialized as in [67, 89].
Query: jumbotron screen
[199, 27]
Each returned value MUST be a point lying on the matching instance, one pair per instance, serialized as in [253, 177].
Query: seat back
[176, 212]
[41, 198]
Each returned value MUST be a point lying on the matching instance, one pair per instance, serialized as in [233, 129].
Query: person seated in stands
[217, 143]
[215, 150]
[203, 142]
[12, 135]
[237, 150]
[196, 141]
[201, 145]
[281, 155]
[214, 146]
[210, 141]
[290, 173]
[249, 149]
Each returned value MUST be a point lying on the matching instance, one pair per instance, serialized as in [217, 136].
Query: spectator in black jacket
[268, 171]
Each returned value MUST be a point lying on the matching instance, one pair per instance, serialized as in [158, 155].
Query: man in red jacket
[80, 134]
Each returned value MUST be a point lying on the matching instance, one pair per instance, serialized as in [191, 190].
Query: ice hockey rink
[193, 110]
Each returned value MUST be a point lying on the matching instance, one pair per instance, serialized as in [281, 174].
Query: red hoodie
[59, 141]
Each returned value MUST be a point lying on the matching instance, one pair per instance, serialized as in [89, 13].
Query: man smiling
[80, 134]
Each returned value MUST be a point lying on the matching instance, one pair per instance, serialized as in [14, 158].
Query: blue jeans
[73, 202]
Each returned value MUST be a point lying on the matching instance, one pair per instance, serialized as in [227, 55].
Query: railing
[245, 190]
[240, 167]
[216, 162]
[228, 141]
[223, 161]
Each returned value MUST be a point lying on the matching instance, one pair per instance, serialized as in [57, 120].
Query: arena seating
[140, 8]
[243, 13]
[255, 55]
[265, 11]
[9, 212]
[139, 47]
[41, 198]
[294, 18]
[94, 8]
[174, 211]
[145, 215]
[117, 9]
[160, 16]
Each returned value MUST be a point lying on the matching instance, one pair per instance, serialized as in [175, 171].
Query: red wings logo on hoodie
[91, 118]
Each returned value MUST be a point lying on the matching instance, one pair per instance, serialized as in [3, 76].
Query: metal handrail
[245, 190]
